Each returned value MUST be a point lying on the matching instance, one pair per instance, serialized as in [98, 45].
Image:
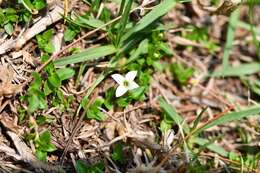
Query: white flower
[125, 83]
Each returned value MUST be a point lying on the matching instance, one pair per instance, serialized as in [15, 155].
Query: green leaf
[94, 112]
[241, 70]
[234, 18]
[157, 12]
[165, 126]
[49, 47]
[165, 48]
[46, 89]
[39, 4]
[213, 147]
[45, 137]
[44, 142]
[70, 34]
[247, 26]
[94, 23]
[123, 102]
[137, 93]
[109, 98]
[36, 84]
[251, 111]
[9, 29]
[33, 103]
[180, 73]
[54, 81]
[81, 167]
[44, 41]
[142, 49]
[172, 114]
[123, 21]
[9, 11]
[47, 35]
[41, 155]
[87, 55]
[65, 73]
[28, 5]
[42, 119]
[44, 145]
[117, 154]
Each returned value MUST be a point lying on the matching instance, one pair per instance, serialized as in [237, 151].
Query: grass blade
[124, 20]
[230, 37]
[213, 147]
[152, 16]
[241, 70]
[87, 55]
[251, 18]
[248, 27]
[254, 110]
[168, 109]
[198, 118]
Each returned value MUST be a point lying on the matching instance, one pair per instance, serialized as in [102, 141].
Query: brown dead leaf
[110, 128]
[7, 88]
[8, 123]
[226, 7]
[28, 58]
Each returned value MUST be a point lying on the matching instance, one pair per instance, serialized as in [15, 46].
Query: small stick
[75, 130]
[54, 16]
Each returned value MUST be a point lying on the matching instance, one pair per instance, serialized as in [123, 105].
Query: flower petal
[118, 78]
[130, 76]
[121, 90]
[132, 85]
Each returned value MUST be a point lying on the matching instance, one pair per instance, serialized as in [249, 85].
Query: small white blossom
[126, 82]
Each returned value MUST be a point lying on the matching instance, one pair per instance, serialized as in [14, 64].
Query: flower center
[126, 83]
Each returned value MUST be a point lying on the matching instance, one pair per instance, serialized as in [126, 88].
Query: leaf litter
[135, 135]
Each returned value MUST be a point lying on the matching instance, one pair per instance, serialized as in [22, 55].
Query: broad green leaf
[41, 155]
[49, 47]
[54, 81]
[87, 55]
[39, 4]
[46, 88]
[33, 103]
[37, 80]
[243, 69]
[27, 4]
[45, 137]
[70, 34]
[44, 142]
[251, 111]
[65, 73]
[9, 29]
